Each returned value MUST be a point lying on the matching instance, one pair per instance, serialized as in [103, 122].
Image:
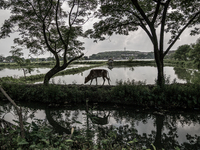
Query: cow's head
[86, 79]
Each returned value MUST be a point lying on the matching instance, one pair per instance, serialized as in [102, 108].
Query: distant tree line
[122, 55]
[10, 59]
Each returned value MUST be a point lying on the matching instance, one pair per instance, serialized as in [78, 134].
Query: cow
[95, 73]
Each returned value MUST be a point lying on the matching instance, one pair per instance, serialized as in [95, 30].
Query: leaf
[69, 140]
[153, 146]
[72, 131]
[177, 148]
[45, 141]
[23, 142]
[35, 127]
[32, 146]
[133, 141]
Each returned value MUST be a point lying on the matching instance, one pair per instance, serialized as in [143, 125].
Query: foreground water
[164, 129]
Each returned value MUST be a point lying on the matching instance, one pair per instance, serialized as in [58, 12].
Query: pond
[164, 129]
[147, 74]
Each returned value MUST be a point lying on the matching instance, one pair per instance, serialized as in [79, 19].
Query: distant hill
[117, 55]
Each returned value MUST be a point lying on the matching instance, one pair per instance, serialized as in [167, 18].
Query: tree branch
[57, 26]
[153, 36]
[163, 26]
[156, 12]
[19, 112]
[177, 37]
[135, 3]
[75, 58]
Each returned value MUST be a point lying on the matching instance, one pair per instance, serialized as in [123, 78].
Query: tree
[195, 52]
[21, 62]
[182, 52]
[45, 26]
[155, 17]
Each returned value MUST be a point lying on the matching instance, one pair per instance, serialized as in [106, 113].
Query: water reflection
[165, 130]
[190, 75]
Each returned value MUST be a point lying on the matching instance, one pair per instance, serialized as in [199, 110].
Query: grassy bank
[136, 62]
[184, 96]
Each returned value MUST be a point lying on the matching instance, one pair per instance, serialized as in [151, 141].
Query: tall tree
[155, 17]
[44, 25]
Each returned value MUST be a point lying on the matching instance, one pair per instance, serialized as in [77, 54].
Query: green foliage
[170, 96]
[130, 92]
[40, 135]
[182, 52]
[37, 136]
[189, 53]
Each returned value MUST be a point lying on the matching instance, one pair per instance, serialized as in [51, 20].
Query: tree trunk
[160, 78]
[160, 67]
[57, 68]
[51, 73]
[58, 128]
[159, 127]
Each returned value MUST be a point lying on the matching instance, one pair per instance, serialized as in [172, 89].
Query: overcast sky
[135, 41]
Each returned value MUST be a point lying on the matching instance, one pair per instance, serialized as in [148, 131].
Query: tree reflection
[190, 75]
[120, 125]
[165, 135]
[57, 127]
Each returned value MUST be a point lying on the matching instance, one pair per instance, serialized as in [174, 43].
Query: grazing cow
[94, 73]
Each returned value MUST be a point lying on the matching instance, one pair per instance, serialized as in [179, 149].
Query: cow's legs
[91, 81]
[96, 82]
[103, 80]
[108, 80]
